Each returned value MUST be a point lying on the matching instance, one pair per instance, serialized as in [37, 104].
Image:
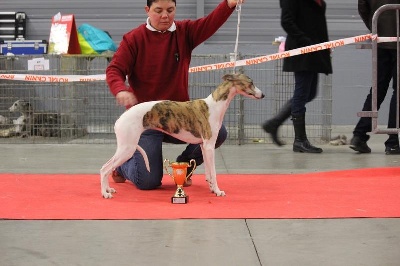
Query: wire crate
[85, 112]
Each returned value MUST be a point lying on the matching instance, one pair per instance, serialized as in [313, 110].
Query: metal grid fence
[85, 112]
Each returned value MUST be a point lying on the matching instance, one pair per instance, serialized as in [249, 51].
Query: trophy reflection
[179, 175]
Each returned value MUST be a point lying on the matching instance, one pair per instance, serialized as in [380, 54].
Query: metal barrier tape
[244, 62]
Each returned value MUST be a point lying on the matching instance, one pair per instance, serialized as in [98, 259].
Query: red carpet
[337, 194]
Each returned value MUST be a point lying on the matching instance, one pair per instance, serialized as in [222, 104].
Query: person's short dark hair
[150, 2]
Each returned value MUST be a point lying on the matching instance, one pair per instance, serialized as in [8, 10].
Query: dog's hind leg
[122, 154]
[106, 190]
[127, 139]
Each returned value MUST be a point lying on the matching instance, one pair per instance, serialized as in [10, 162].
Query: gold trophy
[179, 175]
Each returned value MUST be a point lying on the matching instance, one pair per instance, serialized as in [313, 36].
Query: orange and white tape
[244, 62]
[271, 57]
[53, 78]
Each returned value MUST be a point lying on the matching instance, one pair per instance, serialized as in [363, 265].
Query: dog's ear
[25, 104]
[229, 77]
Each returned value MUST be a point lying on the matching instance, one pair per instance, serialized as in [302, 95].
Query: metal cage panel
[85, 112]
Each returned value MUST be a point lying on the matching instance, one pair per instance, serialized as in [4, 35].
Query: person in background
[387, 71]
[155, 58]
[305, 24]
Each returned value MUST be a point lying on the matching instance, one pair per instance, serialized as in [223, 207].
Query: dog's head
[244, 85]
[21, 106]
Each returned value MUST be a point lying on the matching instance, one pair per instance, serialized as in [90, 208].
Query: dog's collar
[148, 25]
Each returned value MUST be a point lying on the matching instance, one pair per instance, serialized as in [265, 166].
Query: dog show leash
[235, 53]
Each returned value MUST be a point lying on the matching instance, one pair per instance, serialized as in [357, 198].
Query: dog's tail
[146, 159]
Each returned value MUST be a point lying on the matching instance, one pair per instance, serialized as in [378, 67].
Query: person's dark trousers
[387, 69]
[305, 90]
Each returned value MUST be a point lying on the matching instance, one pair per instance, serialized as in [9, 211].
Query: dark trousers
[387, 70]
[305, 90]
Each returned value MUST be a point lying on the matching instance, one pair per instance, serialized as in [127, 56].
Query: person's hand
[126, 98]
[233, 3]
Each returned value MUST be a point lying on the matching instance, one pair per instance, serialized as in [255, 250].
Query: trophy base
[180, 200]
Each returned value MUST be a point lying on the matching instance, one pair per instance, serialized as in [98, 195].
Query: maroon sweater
[149, 58]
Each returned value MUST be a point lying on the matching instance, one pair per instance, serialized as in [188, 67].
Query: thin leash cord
[239, 10]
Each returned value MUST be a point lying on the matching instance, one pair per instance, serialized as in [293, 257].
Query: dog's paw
[108, 193]
[220, 193]
[111, 190]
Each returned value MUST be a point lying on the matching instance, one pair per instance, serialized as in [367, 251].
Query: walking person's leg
[364, 125]
[306, 85]
[392, 143]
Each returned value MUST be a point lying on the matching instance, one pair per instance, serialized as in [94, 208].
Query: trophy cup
[179, 174]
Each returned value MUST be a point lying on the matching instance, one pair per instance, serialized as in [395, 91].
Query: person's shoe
[117, 177]
[359, 145]
[272, 128]
[392, 150]
[305, 146]
[188, 181]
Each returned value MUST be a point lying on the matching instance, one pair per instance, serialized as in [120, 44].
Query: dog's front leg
[207, 171]
[208, 150]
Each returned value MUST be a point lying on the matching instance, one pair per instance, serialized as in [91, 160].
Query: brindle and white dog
[196, 122]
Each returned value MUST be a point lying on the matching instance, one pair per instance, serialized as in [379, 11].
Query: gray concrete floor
[199, 242]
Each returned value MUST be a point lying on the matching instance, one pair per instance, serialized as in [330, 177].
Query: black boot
[301, 143]
[271, 126]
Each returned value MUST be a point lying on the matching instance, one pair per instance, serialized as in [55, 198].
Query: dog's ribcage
[187, 121]
[178, 117]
